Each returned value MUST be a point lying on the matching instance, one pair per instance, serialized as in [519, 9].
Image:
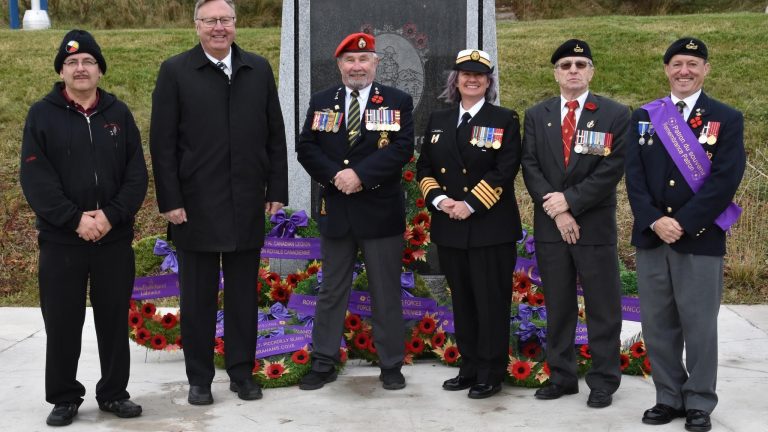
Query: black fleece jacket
[71, 163]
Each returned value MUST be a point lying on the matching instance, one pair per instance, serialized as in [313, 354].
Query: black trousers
[597, 267]
[64, 275]
[481, 292]
[199, 280]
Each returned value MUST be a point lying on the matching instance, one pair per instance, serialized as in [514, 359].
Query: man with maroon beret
[358, 167]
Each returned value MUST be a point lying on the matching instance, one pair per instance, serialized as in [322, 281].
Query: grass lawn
[627, 52]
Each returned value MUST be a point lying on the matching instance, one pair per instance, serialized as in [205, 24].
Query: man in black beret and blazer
[684, 163]
[573, 157]
[83, 174]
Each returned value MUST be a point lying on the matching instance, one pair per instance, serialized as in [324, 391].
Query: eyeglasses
[566, 65]
[85, 62]
[211, 22]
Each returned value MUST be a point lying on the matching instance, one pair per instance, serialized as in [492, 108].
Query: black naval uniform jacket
[71, 163]
[589, 181]
[656, 188]
[218, 149]
[483, 177]
[378, 210]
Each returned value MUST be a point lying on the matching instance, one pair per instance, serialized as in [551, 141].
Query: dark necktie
[353, 118]
[568, 128]
[463, 128]
[680, 107]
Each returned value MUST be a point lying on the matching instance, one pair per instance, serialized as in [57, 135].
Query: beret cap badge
[361, 43]
[578, 49]
[691, 46]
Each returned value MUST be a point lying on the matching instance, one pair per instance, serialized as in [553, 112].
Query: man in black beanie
[83, 174]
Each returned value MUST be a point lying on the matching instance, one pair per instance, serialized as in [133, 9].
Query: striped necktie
[568, 128]
[353, 118]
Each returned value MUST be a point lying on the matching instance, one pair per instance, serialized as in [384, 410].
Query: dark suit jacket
[379, 209]
[483, 177]
[656, 188]
[589, 182]
[218, 149]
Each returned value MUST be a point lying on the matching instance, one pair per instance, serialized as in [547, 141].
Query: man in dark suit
[466, 172]
[573, 157]
[679, 232]
[356, 139]
[218, 151]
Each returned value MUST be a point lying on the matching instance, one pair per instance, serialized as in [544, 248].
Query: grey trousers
[679, 302]
[382, 257]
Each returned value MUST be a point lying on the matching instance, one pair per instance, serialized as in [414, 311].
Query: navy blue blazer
[656, 188]
[484, 177]
[379, 209]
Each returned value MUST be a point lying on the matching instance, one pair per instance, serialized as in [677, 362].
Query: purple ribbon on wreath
[525, 312]
[278, 311]
[280, 331]
[306, 320]
[407, 282]
[162, 248]
[286, 227]
[219, 323]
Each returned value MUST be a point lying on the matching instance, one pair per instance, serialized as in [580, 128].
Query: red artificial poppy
[178, 342]
[272, 277]
[256, 366]
[624, 361]
[300, 357]
[361, 340]
[142, 336]
[545, 368]
[132, 305]
[371, 347]
[407, 256]
[275, 371]
[418, 236]
[219, 347]
[695, 122]
[158, 342]
[637, 349]
[451, 355]
[535, 299]
[415, 345]
[421, 218]
[427, 325]
[521, 370]
[377, 99]
[438, 339]
[420, 203]
[353, 322]
[135, 320]
[408, 175]
[292, 279]
[169, 321]
[279, 293]
[647, 364]
[148, 310]
[585, 352]
[590, 106]
[522, 283]
[342, 355]
[531, 350]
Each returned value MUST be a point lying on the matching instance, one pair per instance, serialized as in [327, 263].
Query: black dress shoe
[599, 398]
[697, 421]
[482, 391]
[62, 414]
[315, 380]
[123, 408]
[460, 382]
[661, 414]
[554, 391]
[200, 395]
[392, 379]
[247, 389]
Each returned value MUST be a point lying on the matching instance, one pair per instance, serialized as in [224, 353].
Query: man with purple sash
[682, 174]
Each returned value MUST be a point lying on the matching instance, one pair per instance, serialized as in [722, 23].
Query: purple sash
[685, 151]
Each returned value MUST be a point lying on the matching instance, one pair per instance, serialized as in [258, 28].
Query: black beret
[686, 46]
[77, 42]
[572, 48]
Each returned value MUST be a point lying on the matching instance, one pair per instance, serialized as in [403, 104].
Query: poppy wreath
[152, 329]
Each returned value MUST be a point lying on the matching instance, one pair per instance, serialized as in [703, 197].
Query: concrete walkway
[356, 401]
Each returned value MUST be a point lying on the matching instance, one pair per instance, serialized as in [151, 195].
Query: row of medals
[593, 150]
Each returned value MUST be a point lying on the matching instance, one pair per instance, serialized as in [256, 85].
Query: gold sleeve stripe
[485, 194]
[427, 184]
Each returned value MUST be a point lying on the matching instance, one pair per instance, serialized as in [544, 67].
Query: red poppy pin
[695, 122]
[377, 99]
[590, 106]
